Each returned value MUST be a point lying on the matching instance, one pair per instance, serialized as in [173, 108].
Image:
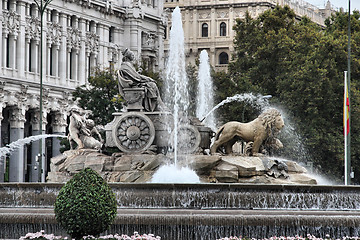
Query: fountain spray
[176, 96]
[205, 95]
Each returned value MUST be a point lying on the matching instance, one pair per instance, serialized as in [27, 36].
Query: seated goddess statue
[129, 77]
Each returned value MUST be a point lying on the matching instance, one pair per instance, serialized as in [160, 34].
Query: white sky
[354, 4]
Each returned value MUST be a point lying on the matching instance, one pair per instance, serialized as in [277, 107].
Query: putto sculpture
[83, 131]
[258, 132]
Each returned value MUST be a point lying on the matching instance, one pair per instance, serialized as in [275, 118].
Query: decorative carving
[54, 32]
[190, 138]
[73, 38]
[35, 119]
[32, 28]
[17, 117]
[113, 52]
[148, 40]
[22, 95]
[240, 14]
[223, 14]
[59, 119]
[92, 42]
[205, 15]
[133, 132]
[11, 22]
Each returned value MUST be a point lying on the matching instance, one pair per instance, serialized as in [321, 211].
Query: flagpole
[346, 173]
[348, 157]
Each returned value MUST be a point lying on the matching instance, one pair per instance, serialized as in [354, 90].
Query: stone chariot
[139, 129]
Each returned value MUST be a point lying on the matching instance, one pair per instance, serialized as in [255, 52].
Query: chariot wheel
[189, 139]
[133, 132]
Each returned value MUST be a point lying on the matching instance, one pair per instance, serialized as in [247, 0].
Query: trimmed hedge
[86, 205]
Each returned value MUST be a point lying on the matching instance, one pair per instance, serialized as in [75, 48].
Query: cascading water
[205, 99]
[8, 149]
[176, 84]
[177, 100]
[259, 100]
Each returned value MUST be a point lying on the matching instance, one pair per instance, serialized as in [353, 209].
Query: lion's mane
[268, 119]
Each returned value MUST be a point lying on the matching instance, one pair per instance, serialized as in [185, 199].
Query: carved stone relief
[223, 14]
[92, 42]
[32, 28]
[148, 40]
[113, 52]
[54, 32]
[205, 15]
[11, 22]
[73, 38]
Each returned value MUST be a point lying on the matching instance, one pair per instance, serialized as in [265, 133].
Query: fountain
[8, 149]
[205, 98]
[252, 196]
[176, 82]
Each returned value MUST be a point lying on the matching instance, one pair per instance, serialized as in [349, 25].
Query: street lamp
[41, 5]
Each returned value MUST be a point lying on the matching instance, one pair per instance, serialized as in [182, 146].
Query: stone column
[1, 44]
[59, 128]
[213, 25]
[16, 163]
[134, 38]
[82, 54]
[28, 46]
[62, 51]
[2, 159]
[4, 50]
[21, 42]
[48, 55]
[12, 50]
[56, 61]
[35, 56]
[196, 33]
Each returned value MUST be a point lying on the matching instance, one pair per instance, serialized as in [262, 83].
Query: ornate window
[222, 29]
[223, 58]
[204, 30]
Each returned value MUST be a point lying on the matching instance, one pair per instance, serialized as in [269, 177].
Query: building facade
[208, 24]
[77, 36]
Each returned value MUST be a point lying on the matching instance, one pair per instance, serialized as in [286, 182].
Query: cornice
[18, 82]
[233, 5]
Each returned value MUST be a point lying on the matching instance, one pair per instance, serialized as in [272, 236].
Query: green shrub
[86, 205]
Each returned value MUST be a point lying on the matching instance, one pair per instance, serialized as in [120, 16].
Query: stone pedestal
[215, 169]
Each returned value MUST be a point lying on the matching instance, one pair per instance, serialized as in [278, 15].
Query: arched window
[222, 29]
[204, 30]
[223, 58]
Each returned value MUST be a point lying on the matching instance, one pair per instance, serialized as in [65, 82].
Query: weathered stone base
[140, 168]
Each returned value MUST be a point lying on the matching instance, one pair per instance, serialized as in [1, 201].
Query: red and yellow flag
[346, 109]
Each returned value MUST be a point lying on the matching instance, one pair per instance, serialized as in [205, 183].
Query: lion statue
[259, 131]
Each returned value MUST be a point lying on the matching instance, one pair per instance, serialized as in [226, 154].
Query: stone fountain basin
[196, 211]
[197, 196]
